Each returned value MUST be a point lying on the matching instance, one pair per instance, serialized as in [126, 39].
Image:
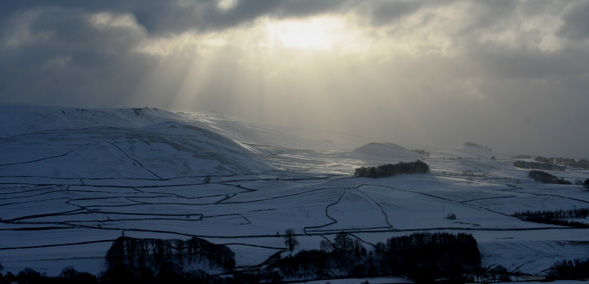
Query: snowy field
[73, 180]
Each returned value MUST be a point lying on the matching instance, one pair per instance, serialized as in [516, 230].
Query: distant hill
[385, 152]
[471, 152]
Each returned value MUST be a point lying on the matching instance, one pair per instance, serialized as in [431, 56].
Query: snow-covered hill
[23, 119]
[470, 152]
[115, 143]
[385, 153]
[73, 180]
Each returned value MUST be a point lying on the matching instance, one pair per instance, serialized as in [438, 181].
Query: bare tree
[289, 239]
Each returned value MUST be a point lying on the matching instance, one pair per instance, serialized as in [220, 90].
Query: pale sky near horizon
[511, 75]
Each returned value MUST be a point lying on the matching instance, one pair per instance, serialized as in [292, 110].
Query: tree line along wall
[391, 170]
[152, 253]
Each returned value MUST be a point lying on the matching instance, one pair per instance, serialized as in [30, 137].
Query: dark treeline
[391, 170]
[557, 217]
[421, 257]
[570, 269]
[67, 276]
[538, 166]
[582, 163]
[132, 252]
[545, 177]
[132, 260]
[167, 273]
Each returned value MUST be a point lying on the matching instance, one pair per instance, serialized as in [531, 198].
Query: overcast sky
[511, 75]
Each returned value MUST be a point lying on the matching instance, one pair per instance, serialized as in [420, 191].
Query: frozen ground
[73, 180]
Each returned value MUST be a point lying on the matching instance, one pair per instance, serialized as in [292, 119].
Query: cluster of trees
[570, 269]
[426, 257]
[545, 177]
[557, 217]
[422, 257]
[538, 166]
[68, 275]
[127, 252]
[391, 170]
[167, 273]
[582, 163]
[548, 163]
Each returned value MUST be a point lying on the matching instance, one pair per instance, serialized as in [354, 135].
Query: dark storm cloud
[388, 12]
[509, 67]
[179, 16]
[206, 15]
[55, 55]
[576, 21]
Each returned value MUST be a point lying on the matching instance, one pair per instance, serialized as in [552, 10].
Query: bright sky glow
[424, 73]
[225, 5]
[317, 33]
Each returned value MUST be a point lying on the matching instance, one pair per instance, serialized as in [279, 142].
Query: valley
[71, 182]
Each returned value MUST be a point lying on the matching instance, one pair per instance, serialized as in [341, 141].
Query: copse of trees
[131, 260]
[68, 275]
[391, 170]
[538, 166]
[577, 269]
[558, 217]
[582, 163]
[545, 177]
[422, 257]
[129, 252]
[425, 257]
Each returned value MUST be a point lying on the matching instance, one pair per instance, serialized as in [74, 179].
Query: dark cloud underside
[510, 74]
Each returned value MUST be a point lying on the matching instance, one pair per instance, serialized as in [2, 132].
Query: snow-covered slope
[73, 180]
[272, 135]
[23, 119]
[121, 143]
